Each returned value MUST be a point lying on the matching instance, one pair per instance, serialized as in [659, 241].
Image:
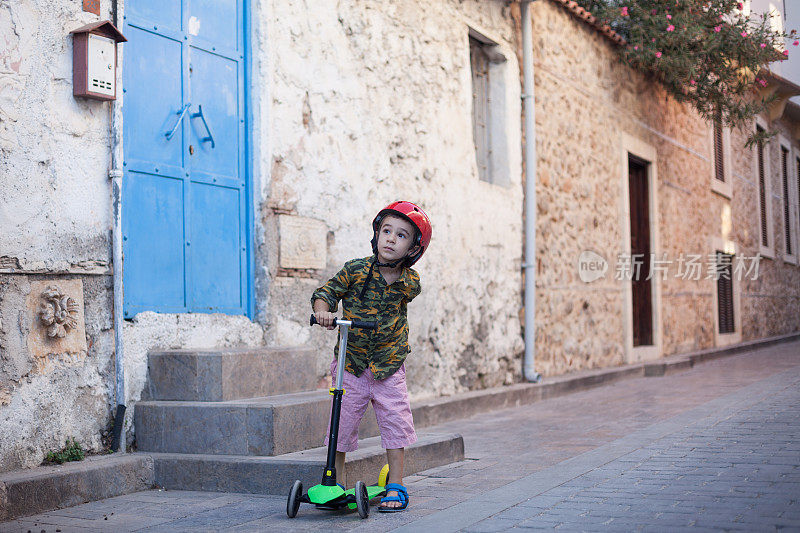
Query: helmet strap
[372, 265]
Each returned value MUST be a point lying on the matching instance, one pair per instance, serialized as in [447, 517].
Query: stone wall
[355, 105]
[582, 203]
[55, 215]
[770, 304]
[372, 103]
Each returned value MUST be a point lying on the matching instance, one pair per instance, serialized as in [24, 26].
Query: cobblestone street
[714, 448]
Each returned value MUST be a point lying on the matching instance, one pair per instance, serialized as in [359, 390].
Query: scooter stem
[329, 479]
[344, 328]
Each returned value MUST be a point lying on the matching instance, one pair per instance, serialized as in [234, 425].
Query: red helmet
[416, 216]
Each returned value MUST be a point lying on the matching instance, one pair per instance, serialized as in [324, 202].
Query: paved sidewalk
[715, 448]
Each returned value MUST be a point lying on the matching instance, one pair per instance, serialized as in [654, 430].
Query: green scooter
[328, 494]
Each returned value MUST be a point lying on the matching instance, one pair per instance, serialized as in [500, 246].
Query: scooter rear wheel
[293, 503]
[362, 499]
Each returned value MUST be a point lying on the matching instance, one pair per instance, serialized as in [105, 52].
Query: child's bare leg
[340, 473]
[395, 457]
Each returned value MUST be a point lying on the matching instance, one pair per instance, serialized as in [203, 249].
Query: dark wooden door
[640, 252]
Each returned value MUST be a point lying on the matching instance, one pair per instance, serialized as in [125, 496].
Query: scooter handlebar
[362, 324]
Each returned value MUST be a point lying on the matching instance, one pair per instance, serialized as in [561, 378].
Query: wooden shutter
[480, 105]
[719, 164]
[762, 191]
[787, 219]
[725, 292]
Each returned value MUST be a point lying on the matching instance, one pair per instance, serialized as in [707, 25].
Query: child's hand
[326, 319]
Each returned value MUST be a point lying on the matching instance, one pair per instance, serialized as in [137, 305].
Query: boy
[374, 369]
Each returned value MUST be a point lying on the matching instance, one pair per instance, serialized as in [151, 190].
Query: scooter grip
[314, 322]
[364, 324]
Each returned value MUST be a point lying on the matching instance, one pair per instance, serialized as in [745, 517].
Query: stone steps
[275, 475]
[268, 426]
[228, 374]
[32, 491]
[285, 423]
[272, 425]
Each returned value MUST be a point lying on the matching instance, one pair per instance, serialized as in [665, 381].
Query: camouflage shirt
[382, 350]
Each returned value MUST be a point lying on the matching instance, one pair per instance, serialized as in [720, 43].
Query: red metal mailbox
[94, 60]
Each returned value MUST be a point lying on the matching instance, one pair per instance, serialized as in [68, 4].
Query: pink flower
[636, 47]
[717, 28]
[796, 43]
[625, 11]
[670, 28]
[654, 39]
[669, 17]
[744, 34]
[658, 54]
[692, 82]
[763, 45]
[786, 53]
[740, 6]
[762, 82]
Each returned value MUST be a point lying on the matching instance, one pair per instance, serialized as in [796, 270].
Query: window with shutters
[487, 64]
[725, 307]
[479, 62]
[721, 176]
[727, 328]
[788, 236]
[719, 163]
[762, 193]
[797, 204]
[766, 248]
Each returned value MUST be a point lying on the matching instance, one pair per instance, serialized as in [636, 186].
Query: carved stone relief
[56, 327]
[58, 312]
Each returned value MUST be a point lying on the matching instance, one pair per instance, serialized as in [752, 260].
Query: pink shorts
[389, 401]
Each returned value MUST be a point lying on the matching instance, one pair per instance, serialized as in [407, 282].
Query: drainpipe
[115, 174]
[529, 266]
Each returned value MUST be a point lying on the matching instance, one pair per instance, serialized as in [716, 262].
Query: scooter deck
[347, 499]
[373, 491]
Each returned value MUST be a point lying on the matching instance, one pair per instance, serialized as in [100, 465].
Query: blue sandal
[402, 497]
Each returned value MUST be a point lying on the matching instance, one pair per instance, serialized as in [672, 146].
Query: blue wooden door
[185, 187]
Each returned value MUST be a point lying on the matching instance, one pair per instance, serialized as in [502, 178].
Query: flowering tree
[704, 52]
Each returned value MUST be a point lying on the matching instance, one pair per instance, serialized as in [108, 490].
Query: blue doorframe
[188, 206]
[249, 154]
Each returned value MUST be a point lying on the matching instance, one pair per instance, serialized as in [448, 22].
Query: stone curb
[275, 475]
[28, 492]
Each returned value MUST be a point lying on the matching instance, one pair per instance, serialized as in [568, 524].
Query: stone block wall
[373, 103]
[589, 107]
[55, 215]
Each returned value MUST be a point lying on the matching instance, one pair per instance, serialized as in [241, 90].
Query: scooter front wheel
[362, 499]
[293, 503]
